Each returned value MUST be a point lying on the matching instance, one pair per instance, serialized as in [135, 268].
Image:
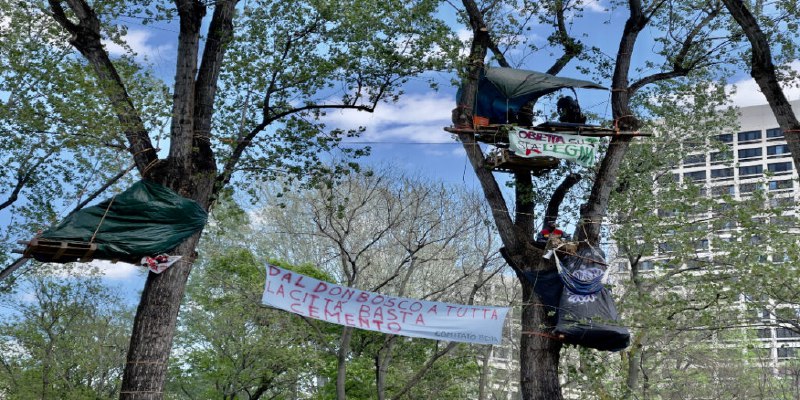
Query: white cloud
[141, 42]
[414, 118]
[595, 6]
[116, 271]
[747, 92]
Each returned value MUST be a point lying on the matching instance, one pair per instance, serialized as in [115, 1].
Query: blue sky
[408, 134]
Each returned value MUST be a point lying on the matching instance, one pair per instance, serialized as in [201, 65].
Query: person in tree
[550, 230]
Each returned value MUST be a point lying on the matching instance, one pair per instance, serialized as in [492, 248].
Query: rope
[559, 338]
[103, 218]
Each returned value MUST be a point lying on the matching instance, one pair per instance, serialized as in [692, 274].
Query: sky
[409, 134]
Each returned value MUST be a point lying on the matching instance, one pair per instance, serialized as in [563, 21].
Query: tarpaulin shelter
[586, 312]
[503, 91]
[146, 219]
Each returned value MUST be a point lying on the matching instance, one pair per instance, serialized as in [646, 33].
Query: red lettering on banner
[405, 314]
[401, 306]
[461, 314]
[280, 292]
[321, 287]
[328, 315]
[287, 277]
[313, 312]
[378, 313]
[348, 319]
[433, 310]
[348, 294]
[420, 320]
[292, 295]
[392, 314]
[363, 312]
[376, 301]
[335, 291]
[394, 327]
[416, 305]
[494, 314]
[296, 308]
[338, 306]
[363, 323]
[389, 302]
[362, 297]
[377, 323]
[450, 308]
[273, 270]
[299, 280]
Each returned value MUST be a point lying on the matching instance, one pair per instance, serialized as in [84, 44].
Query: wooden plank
[504, 161]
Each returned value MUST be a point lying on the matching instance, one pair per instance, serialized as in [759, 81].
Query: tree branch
[102, 189]
[551, 214]
[191, 13]
[220, 32]
[572, 47]
[85, 37]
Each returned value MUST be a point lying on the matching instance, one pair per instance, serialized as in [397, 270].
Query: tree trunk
[154, 327]
[483, 379]
[341, 371]
[539, 354]
[763, 71]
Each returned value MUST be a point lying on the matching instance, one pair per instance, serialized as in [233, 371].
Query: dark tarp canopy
[503, 91]
[146, 219]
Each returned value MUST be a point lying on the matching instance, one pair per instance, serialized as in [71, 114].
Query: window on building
[764, 333]
[781, 202]
[694, 159]
[750, 170]
[778, 150]
[720, 190]
[725, 138]
[664, 247]
[646, 265]
[786, 352]
[720, 157]
[701, 244]
[750, 153]
[774, 133]
[786, 333]
[749, 187]
[749, 136]
[721, 207]
[722, 173]
[780, 185]
[695, 176]
[780, 168]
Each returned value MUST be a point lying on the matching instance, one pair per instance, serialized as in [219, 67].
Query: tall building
[759, 159]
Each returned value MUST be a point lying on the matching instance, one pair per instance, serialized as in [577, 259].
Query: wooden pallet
[45, 250]
[503, 160]
[496, 135]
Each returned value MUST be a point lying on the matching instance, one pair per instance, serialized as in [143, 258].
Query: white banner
[342, 305]
[529, 143]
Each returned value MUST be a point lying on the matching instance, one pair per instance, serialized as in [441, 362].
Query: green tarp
[145, 220]
[514, 83]
[503, 91]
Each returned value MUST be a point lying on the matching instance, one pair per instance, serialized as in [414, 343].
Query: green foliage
[65, 337]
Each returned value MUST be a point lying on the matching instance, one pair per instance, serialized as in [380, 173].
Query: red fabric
[546, 232]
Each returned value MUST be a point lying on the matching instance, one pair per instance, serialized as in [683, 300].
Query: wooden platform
[497, 134]
[45, 250]
[503, 160]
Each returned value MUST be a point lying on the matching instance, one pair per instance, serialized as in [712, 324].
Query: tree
[283, 66]
[231, 346]
[380, 231]
[68, 340]
[688, 46]
[765, 74]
